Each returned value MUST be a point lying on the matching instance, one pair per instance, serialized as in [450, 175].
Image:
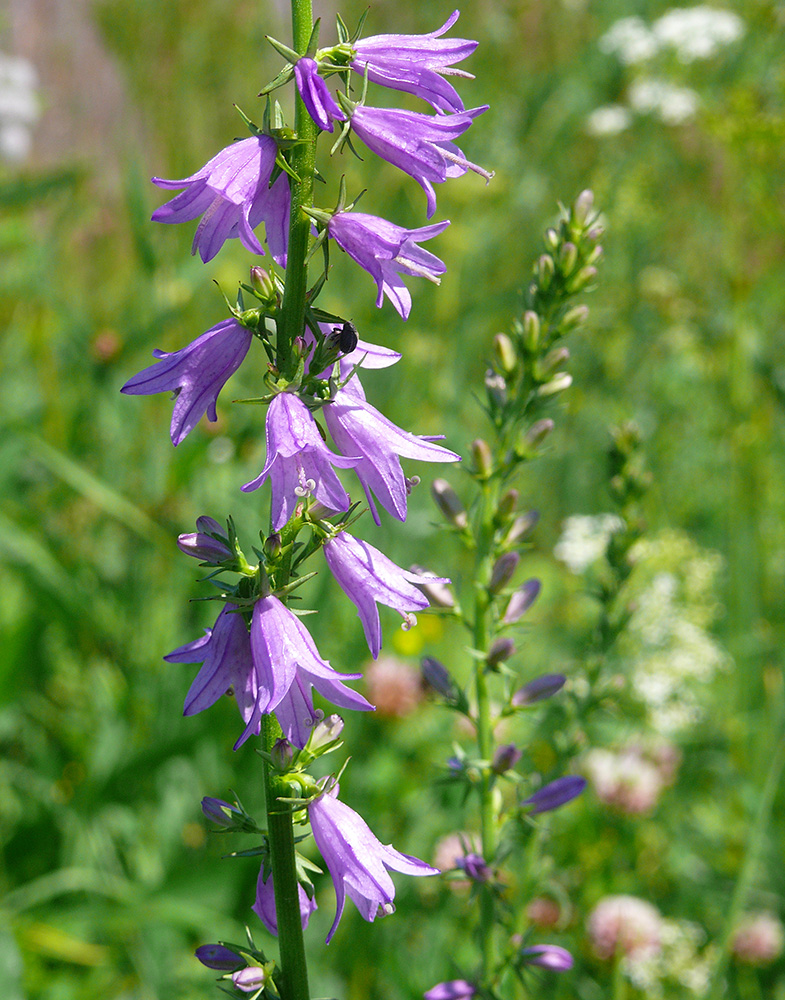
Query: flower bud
[475, 867]
[447, 501]
[282, 754]
[582, 279]
[522, 526]
[217, 956]
[436, 676]
[559, 382]
[568, 257]
[573, 317]
[263, 283]
[555, 794]
[551, 239]
[595, 255]
[483, 459]
[508, 501]
[530, 442]
[552, 360]
[438, 593]
[531, 331]
[273, 545]
[547, 956]
[505, 758]
[544, 270]
[501, 650]
[221, 812]
[521, 601]
[202, 545]
[502, 572]
[250, 979]
[505, 353]
[496, 388]
[582, 207]
[538, 689]
[325, 732]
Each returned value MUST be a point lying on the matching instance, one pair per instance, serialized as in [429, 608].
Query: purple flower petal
[319, 102]
[264, 907]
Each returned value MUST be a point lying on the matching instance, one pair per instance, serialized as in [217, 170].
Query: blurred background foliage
[107, 873]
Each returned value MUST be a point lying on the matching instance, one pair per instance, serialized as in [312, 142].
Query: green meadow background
[108, 876]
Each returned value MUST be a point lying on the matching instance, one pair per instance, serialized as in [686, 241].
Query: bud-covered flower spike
[231, 194]
[195, 374]
[555, 794]
[413, 63]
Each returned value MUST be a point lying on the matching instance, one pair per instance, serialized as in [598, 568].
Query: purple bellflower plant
[319, 102]
[420, 145]
[196, 374]
[414, 63]
[264, 907]
[231, 194]
[356, 859]
[367, 576]
[386, 251]
[299, 464]
[360, 429]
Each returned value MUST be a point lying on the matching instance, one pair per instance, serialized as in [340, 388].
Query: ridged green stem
[303, 162]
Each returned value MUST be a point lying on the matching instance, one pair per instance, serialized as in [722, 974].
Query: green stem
[303, 162]
[484, 727]
[293, 979]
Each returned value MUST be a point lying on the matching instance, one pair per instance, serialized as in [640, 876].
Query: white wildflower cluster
[677, 963]
[632, 778]
[584, 539]
[668, 647]
[18, 107]
[689, 34]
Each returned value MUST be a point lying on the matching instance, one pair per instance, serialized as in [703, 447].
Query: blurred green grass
[108, 877]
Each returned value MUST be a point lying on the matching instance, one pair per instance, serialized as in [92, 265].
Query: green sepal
[283, 50]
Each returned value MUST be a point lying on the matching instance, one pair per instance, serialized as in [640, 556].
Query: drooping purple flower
[360, 429]
[196, 374]
[231, 194]
[299, 463]
[387, 251]
[288, 666]
[367, 576]
[420, 145]
[218, 956]
[202, 544]
[264, 907]
[454, 989]
[227, 665]
[356, 860]
[319, 102]
[555, 793]
[547, 956]
[413, 63]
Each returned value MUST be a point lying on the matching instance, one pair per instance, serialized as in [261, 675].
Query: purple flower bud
[506, 756]
[455, 989]
[503, 571]
[220, 812]
[538, 689]
[556, 793]
[282, 754]
[249, 979]
[521, 601]
[325, 732]
[501, 650]
[547, 956]
[449, 503]
[216, 956]
[439, 594]
[436, 675]
[202, 545]
[521, 527]
[475, 867]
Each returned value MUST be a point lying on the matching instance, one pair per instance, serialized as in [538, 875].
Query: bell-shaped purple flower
[288, 666]
[454, 989]
[299, 463]
[367, 576]
[319, 102]
[420, 145]
[413, 63]
[360, 429]
[387, 251]
[264, 907]
[227, 665]
[231, 193]
[196, 374]
[357, 861]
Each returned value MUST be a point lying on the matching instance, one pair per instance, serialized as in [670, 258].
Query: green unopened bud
[507, 504]
[595, 255]
[496, 388]
[544, 270]
[273, 545]
[568, 257]
[574, 317]
[263, 283]
[501, 650]
[537, 433]
[559, 382]
[282, 754]
[552, 360]
[448, 502]
[503, 571]
[551, 239]
[522, 526]
[531, 331]
[582, 279]
[483, 459]
[581, 210]
[505, 353]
